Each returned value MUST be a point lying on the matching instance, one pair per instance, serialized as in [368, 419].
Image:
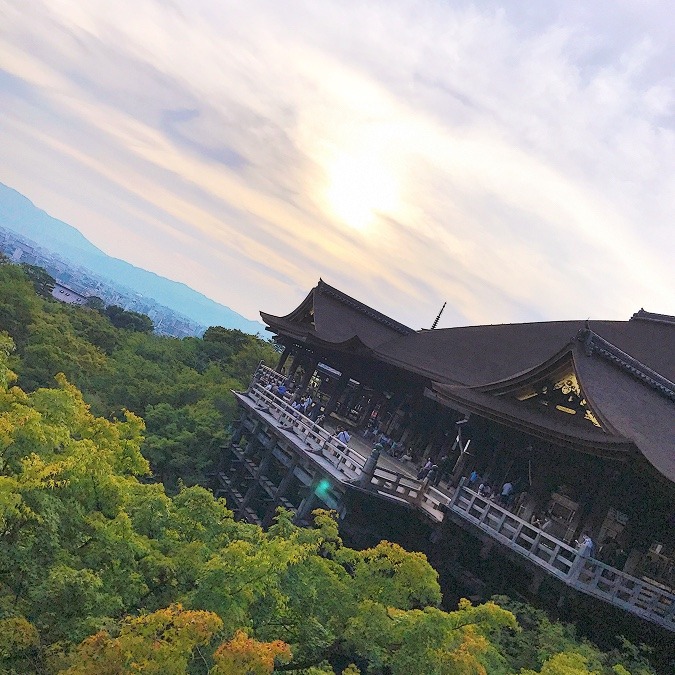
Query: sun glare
[360, 187]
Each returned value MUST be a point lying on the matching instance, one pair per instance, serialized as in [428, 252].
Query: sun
[359, 187]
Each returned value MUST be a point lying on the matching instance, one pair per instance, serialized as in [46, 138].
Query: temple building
[542, 436]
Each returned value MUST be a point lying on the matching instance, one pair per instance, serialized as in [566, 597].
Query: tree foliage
[182, 388]
[127, 320]
[42, 281]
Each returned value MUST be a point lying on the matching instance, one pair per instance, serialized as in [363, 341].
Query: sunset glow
[359, 188]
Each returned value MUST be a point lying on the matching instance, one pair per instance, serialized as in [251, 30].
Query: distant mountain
[18, 214]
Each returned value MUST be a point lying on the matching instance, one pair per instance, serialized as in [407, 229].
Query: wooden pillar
[340, 387]
[349, 402]
[238, 430]
[394, 404]
[283, 358]
[285, 481]
[310, 367]
[492, 466]
[297, 358]
[253, 491]
[460, 464]
[310, 502]
[279, 492]
[434, 438]
[410, 429]
[370, 406]
[458, 469]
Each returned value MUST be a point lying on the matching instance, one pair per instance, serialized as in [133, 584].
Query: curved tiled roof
[476, 355]
[337, 318]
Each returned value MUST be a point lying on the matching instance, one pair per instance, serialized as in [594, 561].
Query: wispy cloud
[513, 160]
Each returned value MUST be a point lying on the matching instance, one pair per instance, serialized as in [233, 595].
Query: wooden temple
[577, 417]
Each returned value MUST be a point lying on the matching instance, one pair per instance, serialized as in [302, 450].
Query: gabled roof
[333, 317]
[633, 407]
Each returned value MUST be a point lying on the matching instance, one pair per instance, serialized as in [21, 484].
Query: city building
[68, 295]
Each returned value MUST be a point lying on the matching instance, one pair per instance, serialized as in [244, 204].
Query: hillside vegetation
[102, 571]
[181, 388]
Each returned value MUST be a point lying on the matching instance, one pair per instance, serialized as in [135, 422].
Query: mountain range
[19, 215]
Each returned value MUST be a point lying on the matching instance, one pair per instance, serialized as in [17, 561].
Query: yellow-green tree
[162, 642]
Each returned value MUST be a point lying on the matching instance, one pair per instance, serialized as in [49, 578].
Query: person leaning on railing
[485, 490]
[343, 435]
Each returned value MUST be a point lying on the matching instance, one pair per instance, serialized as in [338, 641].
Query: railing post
[456, 493]
[486, 510]
[576, 567]
[534, 546]
[369, 467]
[502, 520]
[554, 555]
[421, 491]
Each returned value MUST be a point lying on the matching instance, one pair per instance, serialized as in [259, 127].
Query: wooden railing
[557, 558]
[396, 484]
[268, 374]
[343, 458]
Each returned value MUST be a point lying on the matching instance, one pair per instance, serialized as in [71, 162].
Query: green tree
[161, 642]
[95, 303]
[42, 281]
[127, 320]
[18, 303]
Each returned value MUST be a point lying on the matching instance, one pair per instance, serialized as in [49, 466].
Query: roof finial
[439, 316]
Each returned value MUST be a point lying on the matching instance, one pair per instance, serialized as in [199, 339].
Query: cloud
[515, 161]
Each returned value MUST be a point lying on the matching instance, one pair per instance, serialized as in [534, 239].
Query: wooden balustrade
[341, 456]
[434, 501]
[557, 558]
[396, 484]
[269, 374]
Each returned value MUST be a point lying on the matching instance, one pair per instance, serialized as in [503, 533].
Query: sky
[516, 160]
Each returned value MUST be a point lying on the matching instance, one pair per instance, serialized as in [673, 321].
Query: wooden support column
[393, 404]
[283, 358]
[280, 492]
[352, 400]
[397, 416]
[435, 438]
[458, 469]
[372, 402]
[310, 502]
[492, 466]
[340, 387]
[267, 457]
[238, 430]
[253, 491]
[297, 359]
[285, 482]
[310, 367]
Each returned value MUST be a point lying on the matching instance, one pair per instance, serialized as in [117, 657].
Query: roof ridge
[643, 315]
[593, 343]
[345, 299]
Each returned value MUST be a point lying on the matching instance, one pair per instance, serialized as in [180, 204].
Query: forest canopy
[181, 388]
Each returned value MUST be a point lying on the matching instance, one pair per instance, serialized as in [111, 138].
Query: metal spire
[439, 316]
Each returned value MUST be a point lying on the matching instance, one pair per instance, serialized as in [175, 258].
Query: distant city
[84, 283]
